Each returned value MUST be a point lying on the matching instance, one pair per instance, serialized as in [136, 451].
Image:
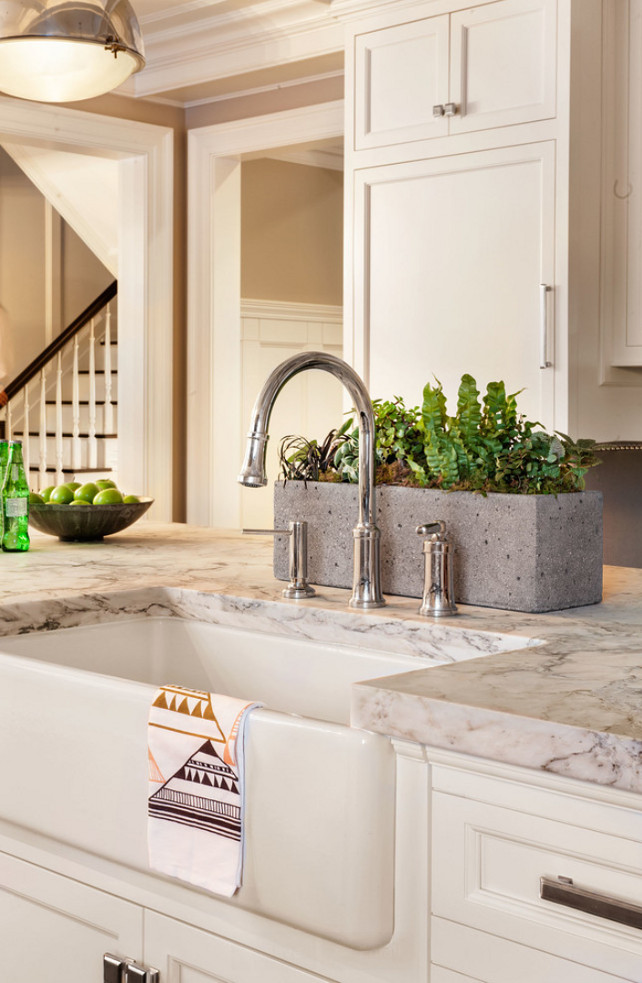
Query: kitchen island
[513, 762]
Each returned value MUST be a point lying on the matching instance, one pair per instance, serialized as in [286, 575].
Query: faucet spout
[366, 592]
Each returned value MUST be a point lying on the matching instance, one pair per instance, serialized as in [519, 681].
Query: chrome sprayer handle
[299, 587]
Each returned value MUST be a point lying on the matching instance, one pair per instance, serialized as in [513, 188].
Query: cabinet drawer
[475, 957]
[487, 866]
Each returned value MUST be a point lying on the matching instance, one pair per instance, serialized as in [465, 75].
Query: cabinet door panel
[184, 954]
[53, 929]
[451, 260]
[401, 73]
[502, 67]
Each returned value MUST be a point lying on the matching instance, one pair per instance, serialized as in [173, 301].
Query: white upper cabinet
[488, 66]
[502, 67]
[404, 73]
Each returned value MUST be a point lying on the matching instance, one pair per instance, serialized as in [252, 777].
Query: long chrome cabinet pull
[544, 290]
[563, 891]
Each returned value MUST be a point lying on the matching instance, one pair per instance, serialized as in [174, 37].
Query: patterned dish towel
[196, 787]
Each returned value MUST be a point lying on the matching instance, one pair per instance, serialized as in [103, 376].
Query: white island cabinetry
[499, 840]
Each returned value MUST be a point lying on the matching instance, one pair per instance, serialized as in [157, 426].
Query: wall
[47, 274]
[291, 232]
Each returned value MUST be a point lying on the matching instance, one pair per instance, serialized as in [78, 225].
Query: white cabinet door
[53, 929]
[487, 66]
[502, 66]
[184, 954]
[401, 73]
[448, 261]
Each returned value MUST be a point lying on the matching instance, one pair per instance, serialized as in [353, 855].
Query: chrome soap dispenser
[439, 595]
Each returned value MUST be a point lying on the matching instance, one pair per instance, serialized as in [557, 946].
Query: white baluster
[43, 428]
[59, 457]
[76, 451]
[108, 419]
[93, 443]
[26, 446]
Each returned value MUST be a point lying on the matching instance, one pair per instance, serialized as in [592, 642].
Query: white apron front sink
[320, 798]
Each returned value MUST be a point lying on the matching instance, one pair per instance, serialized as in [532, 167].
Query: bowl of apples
[81, 513]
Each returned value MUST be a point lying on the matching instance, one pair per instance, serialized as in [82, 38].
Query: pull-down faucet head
[366, 578]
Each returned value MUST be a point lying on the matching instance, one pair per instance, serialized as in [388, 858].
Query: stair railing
[57, 355]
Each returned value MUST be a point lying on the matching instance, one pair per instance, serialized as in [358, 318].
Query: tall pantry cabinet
[473, 206]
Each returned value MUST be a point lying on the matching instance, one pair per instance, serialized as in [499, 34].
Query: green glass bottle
[4, 457]
[15, 503]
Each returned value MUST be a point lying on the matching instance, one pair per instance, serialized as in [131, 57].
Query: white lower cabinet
[184, 954]
[55, 930]
[499, 844]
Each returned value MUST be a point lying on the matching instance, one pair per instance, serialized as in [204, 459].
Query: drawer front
[487, 865]
[465, 955]
[401, 73]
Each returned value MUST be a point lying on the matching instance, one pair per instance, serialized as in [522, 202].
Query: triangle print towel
[195, 808]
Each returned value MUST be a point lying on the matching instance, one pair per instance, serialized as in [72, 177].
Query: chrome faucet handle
[299, 586]
[439, 597]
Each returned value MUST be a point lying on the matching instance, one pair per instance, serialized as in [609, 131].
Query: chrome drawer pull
[563, 891]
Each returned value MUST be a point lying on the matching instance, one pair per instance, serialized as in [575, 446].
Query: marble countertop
[570, 702]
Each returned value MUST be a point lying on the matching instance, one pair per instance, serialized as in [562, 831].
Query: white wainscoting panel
[310, 404]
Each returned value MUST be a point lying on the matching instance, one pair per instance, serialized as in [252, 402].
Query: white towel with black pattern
[196, 787]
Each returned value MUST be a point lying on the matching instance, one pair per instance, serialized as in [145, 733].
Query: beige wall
[291, 232]
[84, 276]
[25, 243]
[22, 253]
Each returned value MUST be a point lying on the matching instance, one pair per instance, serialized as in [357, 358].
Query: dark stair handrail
[61, 340]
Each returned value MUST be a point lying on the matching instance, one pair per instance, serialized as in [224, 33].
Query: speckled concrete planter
[519, 552]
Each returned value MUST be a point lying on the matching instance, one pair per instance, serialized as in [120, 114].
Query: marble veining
[560, 692]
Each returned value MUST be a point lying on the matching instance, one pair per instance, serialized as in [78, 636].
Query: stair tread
[81, 402]
[96, 372]
[52, 468]
[52, 433]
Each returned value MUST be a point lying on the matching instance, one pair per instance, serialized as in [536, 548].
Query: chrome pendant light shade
[62, 52]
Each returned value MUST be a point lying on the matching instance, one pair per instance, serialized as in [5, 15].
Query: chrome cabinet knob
[451, 109]
[438, 111]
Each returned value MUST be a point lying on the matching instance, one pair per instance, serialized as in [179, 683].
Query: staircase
[63, 407]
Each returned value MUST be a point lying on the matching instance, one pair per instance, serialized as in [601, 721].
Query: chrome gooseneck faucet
[366, 585]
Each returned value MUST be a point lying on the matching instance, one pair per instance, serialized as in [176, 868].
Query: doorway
[225, 334]
[144, 154]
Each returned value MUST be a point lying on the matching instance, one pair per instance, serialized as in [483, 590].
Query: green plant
[307, 460]
[486, 446]
[491, 447]
[399, 444]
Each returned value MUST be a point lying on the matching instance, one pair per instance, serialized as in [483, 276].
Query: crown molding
[352, 9]
[189, 44]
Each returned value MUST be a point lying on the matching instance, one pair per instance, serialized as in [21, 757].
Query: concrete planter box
[518, 552]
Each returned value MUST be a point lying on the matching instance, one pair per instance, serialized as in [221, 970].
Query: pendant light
[62, 52]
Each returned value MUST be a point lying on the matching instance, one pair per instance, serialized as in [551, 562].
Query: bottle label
[15, 507]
